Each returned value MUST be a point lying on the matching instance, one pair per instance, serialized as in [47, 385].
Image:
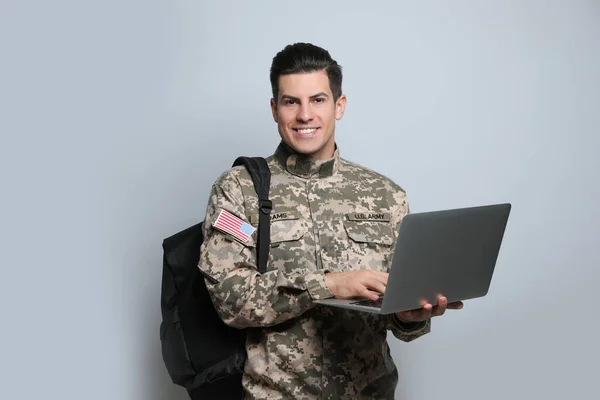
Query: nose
[305, 113]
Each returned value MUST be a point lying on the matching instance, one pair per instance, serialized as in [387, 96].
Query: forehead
[304, 84]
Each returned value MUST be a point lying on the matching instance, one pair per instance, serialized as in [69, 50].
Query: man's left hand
[428, 311]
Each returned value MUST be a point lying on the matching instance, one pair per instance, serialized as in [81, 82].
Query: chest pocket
[287, 252]
[370, 244]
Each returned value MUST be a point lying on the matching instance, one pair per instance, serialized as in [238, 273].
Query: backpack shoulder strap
[261, 177]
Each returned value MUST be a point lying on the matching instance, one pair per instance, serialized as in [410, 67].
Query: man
[299, 350]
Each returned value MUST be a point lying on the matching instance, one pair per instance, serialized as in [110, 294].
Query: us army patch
[369, 216]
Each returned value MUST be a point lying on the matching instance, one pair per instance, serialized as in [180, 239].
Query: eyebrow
[314, 96]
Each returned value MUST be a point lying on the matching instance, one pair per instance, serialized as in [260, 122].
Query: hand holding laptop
[450, 253]
[429, 311]
[369, 284]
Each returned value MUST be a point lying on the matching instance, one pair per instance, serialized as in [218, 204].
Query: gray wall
[116, 116]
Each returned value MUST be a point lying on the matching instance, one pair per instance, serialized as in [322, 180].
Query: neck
[304, 165]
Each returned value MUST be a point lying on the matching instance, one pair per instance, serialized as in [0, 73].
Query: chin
[305, 149]
[306, 146]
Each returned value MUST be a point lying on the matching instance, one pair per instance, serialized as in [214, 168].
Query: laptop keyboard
[370, 303]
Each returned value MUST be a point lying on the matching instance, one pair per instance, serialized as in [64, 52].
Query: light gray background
[116, 117]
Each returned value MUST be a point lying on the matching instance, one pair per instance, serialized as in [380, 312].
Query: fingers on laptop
[369, 294]
[374, 284]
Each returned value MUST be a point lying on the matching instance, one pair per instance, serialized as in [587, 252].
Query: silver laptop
[449, 252]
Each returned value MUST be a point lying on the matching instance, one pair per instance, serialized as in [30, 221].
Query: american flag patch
[229, 223]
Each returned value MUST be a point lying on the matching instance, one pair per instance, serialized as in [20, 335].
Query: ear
[274, 110]
[340, 107]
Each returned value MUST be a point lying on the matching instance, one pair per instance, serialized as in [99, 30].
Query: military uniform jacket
[328, 216]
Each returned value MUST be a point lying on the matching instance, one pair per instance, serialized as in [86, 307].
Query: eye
[288, 102]
[319, 100]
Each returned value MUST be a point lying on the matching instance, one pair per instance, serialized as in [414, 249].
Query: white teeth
[307, 131]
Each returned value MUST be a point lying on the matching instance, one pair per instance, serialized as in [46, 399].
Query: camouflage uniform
[328, 216]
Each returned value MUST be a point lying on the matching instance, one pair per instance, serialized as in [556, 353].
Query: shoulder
[236, 182]
[233, 184]
[362, 174]
[375, 185]
[238, 178]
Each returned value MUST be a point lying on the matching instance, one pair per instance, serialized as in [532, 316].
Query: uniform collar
[304, 166]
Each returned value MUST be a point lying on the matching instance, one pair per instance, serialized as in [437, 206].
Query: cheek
[327, 117]
[284, 118]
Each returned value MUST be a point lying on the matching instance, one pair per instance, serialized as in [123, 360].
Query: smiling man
[333, 231]
[305, 110]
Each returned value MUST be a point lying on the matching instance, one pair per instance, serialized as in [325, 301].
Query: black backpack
[201, 353]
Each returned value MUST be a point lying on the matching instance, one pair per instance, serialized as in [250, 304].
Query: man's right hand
[364, 283]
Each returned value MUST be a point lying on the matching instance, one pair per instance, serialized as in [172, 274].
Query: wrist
[407, 324]
[316, 285]
[330, 281]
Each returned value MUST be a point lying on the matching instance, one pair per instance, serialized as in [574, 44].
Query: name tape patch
[276, 216]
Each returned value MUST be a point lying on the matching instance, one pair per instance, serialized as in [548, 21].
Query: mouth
[306, 132]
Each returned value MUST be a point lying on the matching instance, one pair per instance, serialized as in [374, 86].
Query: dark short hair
[305, 58]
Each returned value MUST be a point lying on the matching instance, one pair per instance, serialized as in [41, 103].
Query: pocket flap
[287, 230]
[370, 232]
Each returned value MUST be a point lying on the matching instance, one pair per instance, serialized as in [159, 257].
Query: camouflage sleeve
[403, 331]
[408, 332]
[242, 296]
